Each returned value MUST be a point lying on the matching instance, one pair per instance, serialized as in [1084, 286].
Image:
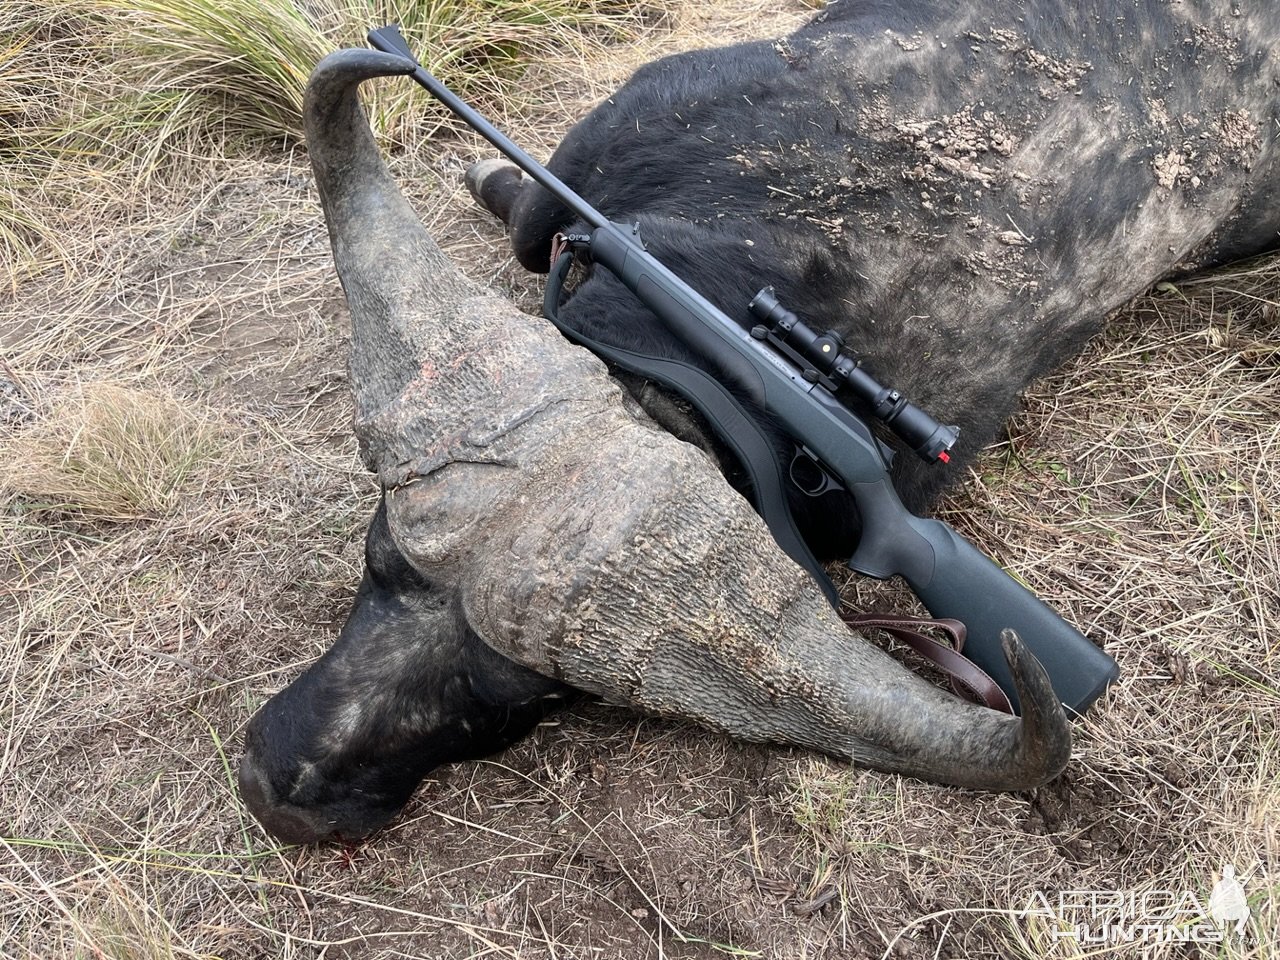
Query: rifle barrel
[388, 39]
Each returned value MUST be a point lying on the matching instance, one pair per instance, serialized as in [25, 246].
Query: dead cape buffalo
[963, 190]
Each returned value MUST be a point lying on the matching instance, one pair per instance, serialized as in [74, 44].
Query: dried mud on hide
[1136, 491]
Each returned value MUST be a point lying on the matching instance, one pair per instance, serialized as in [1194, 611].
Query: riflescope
[824, 360]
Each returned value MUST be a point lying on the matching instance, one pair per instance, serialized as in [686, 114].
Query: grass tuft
[124, 928]
[200, 75]
[29, 80]
[109, 452]
[100, 96]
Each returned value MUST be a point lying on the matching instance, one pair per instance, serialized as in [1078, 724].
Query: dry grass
[28, 106]
[192, 72]
[109, 452]
[101, 97]
[136, 639]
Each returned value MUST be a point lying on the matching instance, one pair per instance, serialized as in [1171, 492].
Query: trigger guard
[825, 482]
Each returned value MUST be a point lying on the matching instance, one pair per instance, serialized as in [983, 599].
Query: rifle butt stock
[954, 579]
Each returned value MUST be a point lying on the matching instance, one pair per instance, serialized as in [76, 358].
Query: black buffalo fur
[342, 748]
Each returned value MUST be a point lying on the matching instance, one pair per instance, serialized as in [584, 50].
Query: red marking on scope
[944, 457]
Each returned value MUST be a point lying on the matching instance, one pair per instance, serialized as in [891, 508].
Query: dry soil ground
[197, 352]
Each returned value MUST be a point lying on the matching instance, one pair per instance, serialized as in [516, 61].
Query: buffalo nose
[282, 821]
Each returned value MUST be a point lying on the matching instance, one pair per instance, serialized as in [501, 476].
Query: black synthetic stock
[950, 575]
[957, 581]
[967, 586]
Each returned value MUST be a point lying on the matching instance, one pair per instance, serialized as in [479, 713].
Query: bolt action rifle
[792, 373]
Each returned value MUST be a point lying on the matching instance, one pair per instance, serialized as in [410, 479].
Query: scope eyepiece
[823, 356]
[926, 436]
